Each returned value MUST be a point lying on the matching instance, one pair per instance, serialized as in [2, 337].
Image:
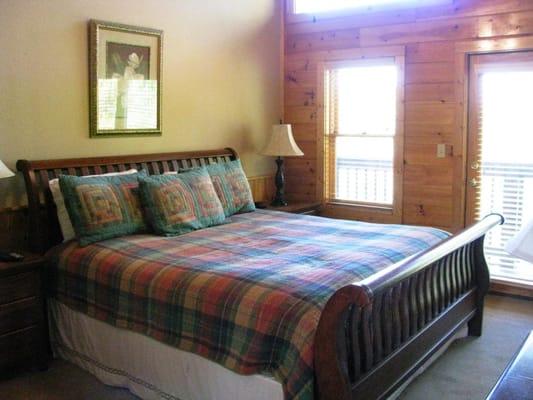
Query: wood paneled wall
[433, 103]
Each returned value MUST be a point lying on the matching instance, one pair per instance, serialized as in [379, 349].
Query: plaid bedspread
[247, 294]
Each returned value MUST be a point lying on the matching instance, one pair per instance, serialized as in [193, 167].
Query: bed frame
[374, 334]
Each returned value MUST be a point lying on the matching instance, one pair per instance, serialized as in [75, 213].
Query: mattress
[150, 369]
[247, 294]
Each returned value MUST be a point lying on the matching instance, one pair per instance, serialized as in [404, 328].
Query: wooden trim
[472, 139]
[505, 287]
[384, 208]
[321, 145]
[351, 54]
[399, 140]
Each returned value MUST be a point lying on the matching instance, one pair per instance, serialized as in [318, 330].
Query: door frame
[463, 51]
[480, 63]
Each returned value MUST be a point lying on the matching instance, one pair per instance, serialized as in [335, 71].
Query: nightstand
[23, 332]
[312, 208]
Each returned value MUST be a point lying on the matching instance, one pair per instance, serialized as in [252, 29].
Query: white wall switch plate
[441, 150]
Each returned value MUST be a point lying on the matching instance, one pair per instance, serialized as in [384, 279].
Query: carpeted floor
[467, 370]
[471, 366]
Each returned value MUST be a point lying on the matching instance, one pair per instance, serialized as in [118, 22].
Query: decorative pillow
[62, 214]
[103, 207]
[181, 203]
[232, 187]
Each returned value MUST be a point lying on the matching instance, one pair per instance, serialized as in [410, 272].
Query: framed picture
[124, 79]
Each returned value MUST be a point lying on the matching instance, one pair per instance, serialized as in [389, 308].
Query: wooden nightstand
[298, 208]
[23, 333]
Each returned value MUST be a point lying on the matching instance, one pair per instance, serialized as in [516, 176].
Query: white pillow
[62, 214]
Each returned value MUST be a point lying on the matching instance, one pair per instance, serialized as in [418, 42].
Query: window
[362, 132]
[319, 6]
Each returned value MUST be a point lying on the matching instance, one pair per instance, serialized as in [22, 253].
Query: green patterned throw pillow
[177, 204]
[232, 187]
[103, 207]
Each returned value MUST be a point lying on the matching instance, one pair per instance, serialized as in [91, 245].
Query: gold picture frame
[125, 64]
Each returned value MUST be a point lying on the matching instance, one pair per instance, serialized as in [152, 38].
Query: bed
[370, 330]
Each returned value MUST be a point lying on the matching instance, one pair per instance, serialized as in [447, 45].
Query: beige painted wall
[221, 73]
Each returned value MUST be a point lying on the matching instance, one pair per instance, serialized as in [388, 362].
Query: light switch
[441, 150]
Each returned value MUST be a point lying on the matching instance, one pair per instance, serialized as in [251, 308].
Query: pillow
[103, 207]
[62, 214]
[181, 203]
[181, 171]
[232, 187]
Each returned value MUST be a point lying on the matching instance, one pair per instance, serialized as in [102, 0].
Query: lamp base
[279, 199]
[278, 203]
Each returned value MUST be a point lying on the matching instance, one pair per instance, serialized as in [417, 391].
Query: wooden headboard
[44, 231]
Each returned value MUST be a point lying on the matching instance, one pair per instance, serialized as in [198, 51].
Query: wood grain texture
[13, 235]
[437, 39]
[262, 187]
[375, 333]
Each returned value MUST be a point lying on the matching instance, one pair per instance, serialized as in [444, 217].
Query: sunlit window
[317, 6]
[361, 109]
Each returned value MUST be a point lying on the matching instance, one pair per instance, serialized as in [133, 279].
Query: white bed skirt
[148, 368]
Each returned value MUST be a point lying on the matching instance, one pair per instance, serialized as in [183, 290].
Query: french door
[500, 154]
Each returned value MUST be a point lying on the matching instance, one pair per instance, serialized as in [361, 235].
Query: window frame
[292, 17]
[373, 211]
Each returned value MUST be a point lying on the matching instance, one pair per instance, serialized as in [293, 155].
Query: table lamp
[521, 246]
[5, 172]
[281, 144]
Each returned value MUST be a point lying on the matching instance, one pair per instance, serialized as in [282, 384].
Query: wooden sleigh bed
[373, 334]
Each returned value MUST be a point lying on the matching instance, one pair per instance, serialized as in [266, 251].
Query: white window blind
[505, 142]
[361, 107]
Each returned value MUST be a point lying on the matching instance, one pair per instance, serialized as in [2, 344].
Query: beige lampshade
[5, 172]
[282, 142]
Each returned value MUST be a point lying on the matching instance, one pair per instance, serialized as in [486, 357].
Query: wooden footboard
[374, 334]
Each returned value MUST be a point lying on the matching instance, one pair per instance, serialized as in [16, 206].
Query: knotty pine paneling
[429, 52]
[427, 92]
[431, 36]
[304, 132]
[322, 41]
[262, 188]
[434, 72]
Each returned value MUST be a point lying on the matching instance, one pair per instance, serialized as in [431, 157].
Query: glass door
[500, 154]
